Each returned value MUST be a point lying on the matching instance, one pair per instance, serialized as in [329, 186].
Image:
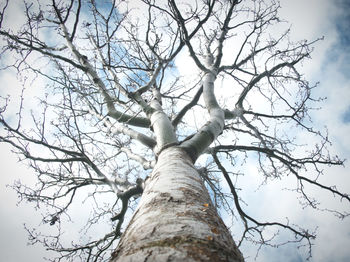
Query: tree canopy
[113, 89]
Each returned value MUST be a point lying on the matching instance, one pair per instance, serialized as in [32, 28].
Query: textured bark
[175, 220]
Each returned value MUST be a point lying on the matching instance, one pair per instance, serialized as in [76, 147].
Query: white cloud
[312, 19]
[14, 238]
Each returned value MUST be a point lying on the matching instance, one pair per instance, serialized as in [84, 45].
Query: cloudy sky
[330, 65]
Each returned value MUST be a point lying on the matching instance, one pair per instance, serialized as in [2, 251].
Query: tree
[120, 119]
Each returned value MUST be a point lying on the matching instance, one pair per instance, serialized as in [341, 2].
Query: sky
[330, 65]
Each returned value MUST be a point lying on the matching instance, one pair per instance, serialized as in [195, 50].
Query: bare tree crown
[117, 92]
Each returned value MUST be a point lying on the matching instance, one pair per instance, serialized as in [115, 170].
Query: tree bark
[175, 219]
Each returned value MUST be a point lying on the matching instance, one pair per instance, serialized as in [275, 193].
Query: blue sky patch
[346, 116]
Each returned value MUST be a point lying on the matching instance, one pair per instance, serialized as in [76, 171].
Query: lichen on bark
[190, 227]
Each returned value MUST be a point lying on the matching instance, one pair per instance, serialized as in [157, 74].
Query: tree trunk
[176, 220]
